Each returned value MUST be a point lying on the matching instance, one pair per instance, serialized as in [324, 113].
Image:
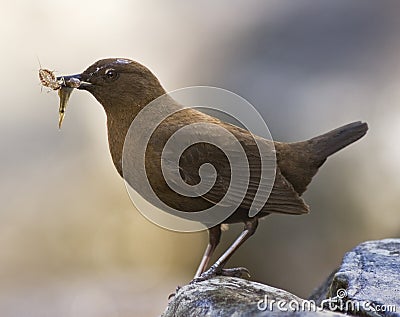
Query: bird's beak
[73, 81]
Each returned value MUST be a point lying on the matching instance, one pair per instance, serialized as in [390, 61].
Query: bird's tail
[300, 161]
[329, 143]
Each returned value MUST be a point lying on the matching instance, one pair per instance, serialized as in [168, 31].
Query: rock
[366, 284]
[369, 279]
[228, 296]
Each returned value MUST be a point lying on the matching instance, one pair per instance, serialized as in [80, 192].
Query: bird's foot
[215, 270]
[240, 272]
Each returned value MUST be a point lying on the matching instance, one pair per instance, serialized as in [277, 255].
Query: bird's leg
[214, 236]
[218, 267]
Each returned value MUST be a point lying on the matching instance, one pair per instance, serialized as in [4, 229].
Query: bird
[125, 88]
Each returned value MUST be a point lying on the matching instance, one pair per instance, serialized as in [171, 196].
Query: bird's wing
[241, 185]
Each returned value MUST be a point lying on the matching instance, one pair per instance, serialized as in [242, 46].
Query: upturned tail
[329, 143]
[300, 161]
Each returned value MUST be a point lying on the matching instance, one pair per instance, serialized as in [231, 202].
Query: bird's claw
[214, 271]
[240, 272]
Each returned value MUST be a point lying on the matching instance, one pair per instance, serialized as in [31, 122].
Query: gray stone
[224, 296]
[366, 284]
[369, 279]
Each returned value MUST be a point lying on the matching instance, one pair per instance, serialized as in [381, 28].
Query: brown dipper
[124, 88]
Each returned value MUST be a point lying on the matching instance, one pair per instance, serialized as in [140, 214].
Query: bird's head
[118, 82]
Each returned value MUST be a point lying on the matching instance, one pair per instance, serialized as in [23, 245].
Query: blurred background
[71, 242]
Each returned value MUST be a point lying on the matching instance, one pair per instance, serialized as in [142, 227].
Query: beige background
[71, 243]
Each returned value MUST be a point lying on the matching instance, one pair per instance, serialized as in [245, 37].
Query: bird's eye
[111, 74]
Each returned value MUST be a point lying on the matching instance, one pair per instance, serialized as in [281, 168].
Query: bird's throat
[118, 124]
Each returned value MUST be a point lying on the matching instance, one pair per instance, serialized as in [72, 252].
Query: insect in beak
[64, 93]
[64, 84]
[67, 85]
